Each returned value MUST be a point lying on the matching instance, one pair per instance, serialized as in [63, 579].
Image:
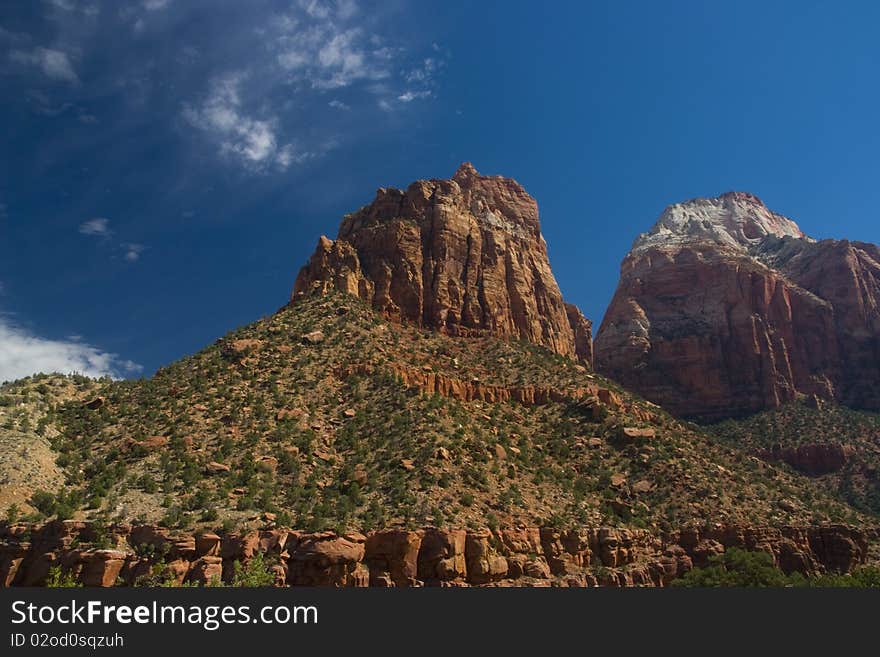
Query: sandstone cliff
[463, 256]
[725, 308]
[524, 556]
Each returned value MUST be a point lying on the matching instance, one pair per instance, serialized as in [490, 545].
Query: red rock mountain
[725, 308]
[463, 256]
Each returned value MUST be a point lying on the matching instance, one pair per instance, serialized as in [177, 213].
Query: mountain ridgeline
[427, 409]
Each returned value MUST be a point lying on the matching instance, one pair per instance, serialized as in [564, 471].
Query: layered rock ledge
[606, 556]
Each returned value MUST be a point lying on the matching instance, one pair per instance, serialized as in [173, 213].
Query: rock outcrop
[725, 308]
[437, 383]
[605, 556]
[812, 459]
[463, 256]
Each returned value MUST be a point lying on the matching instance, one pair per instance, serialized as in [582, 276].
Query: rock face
[812, 459]
[463, 256]
[604, 556]
[435, 383]
[725, 308]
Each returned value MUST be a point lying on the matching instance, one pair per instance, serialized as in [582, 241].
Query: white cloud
[252, 113]
[409, 96]
[315, 8]
[97, 226]
[321, 50]
[88, 9]
[53, 63]
[155, 5]
[392, 103]
[345, 9]
[23, 354]
[64, 5]
[132, 251]
[251, 140]
[100, 227]
[425, 72]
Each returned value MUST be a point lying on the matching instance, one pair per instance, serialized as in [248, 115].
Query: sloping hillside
[326, 415]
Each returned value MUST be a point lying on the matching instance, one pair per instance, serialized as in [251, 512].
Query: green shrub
[12, 513]
[736, 568]
[59, 580]
[254, 574]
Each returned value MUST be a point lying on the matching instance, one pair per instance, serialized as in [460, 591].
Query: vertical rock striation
[464, 256]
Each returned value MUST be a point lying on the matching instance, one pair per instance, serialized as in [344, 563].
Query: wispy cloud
[317, 46]
[426, 71]
[22, 353]
[87, 8]
[254, 84]
[54, 64]
[98, 226]
[251, 140]
[327, 55]
[409, 96]
[132, 251]
[324, 46]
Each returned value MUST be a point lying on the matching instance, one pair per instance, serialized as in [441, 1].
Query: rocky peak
[464, 256]
[726, 308]
[465, 172]
[736, 220]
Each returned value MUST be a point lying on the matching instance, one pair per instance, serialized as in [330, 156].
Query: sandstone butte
[463, 256]
[726, 308]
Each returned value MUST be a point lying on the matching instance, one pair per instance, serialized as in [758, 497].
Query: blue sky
[168, 165]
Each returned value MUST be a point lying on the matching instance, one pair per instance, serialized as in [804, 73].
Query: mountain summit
[726, 308]
[735, 219]
[464, 256]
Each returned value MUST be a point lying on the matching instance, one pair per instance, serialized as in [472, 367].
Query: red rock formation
[464, 256]
[812, 459]
[605, 556]
[583, 333]
[726, 308]
[595, 400]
